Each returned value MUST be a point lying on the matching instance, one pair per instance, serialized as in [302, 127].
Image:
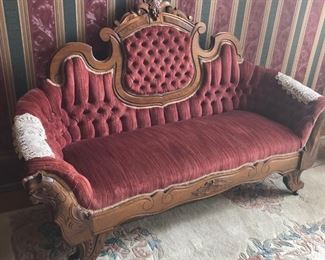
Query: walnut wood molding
[131, 23]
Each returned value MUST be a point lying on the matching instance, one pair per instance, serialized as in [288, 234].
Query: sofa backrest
[157, 74]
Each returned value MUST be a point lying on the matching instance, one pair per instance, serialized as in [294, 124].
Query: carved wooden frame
[130, 24]
[87, 228]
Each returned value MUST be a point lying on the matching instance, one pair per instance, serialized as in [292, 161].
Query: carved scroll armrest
[282, 99]
[64, 172]
[57, 184]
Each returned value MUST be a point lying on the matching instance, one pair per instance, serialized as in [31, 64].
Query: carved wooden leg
[90, 249]
[293, 182]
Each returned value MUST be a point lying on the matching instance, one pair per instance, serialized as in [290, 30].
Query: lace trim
[296, 89]
[30, 137]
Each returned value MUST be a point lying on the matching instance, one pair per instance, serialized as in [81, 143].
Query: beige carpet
[255, 221]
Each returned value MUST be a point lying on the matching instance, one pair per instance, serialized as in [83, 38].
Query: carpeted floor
[254, 221]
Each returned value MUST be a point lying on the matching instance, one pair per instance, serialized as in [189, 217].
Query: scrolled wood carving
[211, 187]
[131, 23]
[67, 213]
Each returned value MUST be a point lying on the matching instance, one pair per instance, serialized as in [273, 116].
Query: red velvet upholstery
[262, 95]
[85, 107]
[88, 107]
[124, 165]
[158, 60]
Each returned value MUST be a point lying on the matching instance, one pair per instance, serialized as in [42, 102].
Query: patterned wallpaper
[287, 35]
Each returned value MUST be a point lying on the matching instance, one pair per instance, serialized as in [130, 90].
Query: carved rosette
[211, 187]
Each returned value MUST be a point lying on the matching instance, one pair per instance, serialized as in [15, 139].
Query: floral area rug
[260, 221]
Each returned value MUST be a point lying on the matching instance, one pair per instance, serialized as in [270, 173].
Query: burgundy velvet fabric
[85, 107]
[264, 96]
[158, 60]
[142, 161]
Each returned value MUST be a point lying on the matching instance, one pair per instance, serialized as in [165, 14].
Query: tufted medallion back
[158, 60]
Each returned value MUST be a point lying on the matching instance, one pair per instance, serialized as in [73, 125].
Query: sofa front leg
[293, 182]
[90, 249]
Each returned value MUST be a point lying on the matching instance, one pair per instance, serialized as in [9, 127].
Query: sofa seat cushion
[130, 163]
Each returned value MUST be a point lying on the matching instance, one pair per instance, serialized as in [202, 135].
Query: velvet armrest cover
[266, 97]
[36, 103]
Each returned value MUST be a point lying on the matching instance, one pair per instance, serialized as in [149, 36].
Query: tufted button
[140, 71]
[101, 110]
[165, 42]
[86, 112]
[167, 60]
[135, 64]
[115, 109]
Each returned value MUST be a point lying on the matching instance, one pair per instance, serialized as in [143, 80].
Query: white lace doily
[296, 89]
[30, 138]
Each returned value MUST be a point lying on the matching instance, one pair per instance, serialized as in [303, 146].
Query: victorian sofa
[159, 123]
